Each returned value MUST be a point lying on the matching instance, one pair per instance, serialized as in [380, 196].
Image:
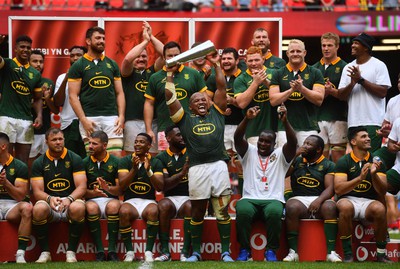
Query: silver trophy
[197, 52]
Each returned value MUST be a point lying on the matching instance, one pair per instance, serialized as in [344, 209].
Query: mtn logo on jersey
[20, 87]
[308, 182]
[181, 93]
[141, 86]
[100, 82]
[296, 96]
[364, 186]
[140, 187]
[58, 184]
[204, 129]
[261, 96]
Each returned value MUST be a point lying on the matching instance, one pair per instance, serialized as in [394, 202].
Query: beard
[97, 49]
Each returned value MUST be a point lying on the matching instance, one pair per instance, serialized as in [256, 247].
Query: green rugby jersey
[58, 179]
[332, 109]
[268, 117]
[17, 85]
[172, 166]
[204, 136]
[134, 88]
[187, 82]
[273, 62]
[106, 168]
[236, 116]
[307, 179]
[140, 186]
[302, 114]
[351, 166]
[16, 170]
[97, 95]
[46, 113]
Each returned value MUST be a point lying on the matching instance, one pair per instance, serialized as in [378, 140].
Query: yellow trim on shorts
[333, 221]
[154, 223]
[224, 221]
[196, 223]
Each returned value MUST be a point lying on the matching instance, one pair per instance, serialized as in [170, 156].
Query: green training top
[140, 186]
[17, 85]
[16, 170]
[106, 168]
[187, 82]
[46, 113]
[134, 88]
[172, 166]
[351, 166]
[308, 179]
[302, 114]
[58, 175]
[332, 109]
[235, 116]
[97, 95]
[267, 119]
[204, 136]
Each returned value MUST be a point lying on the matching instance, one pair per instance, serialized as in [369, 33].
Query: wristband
[71, 198]
[361, 81]
[150, 173]
[169, 74]
[48, 199]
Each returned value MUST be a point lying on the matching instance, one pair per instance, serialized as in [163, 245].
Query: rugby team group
[305, 141]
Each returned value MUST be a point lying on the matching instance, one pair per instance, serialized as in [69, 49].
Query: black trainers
[348, 258]
[100, 257]
[112, 257]
[384, 259]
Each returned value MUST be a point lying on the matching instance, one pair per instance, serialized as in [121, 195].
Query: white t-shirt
[253, 187]
[395, 136]
[393, 109]
[67, 114]
[364, 107]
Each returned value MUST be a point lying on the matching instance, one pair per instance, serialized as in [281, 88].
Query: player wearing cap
[364, 84]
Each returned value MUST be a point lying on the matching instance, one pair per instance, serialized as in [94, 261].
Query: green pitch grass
[201, 265]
